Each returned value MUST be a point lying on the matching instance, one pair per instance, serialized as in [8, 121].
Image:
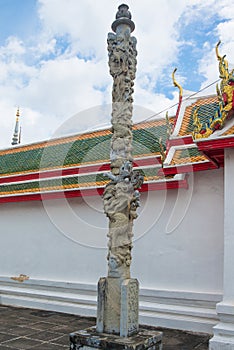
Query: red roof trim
[177, 112]
[212, 144]
[188, 168]
[54, 173]
[164, 185]
[187, 140]
[90, 192]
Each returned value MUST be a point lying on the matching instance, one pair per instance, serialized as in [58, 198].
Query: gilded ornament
[225, 108]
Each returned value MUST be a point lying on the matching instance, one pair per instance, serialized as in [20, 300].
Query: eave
[178, 141]
[96, 191]
[187, 168]
[213, 149]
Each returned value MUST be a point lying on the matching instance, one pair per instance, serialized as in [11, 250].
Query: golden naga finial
[225, 92]
[225, 106]
[180, 97]
[217, 50]
[175, 82]
[200, 130]
[223, 64]
[196, 122]
[161, 150]
[218, 92]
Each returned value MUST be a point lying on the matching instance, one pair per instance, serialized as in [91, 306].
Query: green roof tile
[205, 112]
[77, 181]
[88, 150]
[190, 152]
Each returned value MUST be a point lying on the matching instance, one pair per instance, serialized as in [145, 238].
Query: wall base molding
[192, 311]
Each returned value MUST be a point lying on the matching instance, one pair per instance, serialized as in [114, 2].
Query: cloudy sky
[53, 59]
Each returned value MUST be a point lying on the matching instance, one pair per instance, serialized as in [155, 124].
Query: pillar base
[118, 306]
[223, 338]
[91, 339]
[220, 343]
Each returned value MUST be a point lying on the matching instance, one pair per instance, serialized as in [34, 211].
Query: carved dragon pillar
[117, 313]
[121, 197]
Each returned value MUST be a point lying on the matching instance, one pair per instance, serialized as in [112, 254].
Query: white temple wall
[61, 246]
[184, 252]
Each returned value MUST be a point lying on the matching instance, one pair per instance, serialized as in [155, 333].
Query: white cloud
[13, 48]
[63, 69]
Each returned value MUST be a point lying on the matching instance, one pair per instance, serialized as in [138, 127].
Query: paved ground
[22, 329]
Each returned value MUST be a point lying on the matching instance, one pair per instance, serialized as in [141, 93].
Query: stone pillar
[118, 293]
[117, 313]
[224, 331]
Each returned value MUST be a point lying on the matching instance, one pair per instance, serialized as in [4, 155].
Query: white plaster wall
[178, 248]
[31, 243]
[186, 252]
[65, 240]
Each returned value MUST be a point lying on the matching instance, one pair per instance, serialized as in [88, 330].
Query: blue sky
[53, 59]
[18, 18]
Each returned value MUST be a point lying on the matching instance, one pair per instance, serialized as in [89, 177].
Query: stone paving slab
[22, 329]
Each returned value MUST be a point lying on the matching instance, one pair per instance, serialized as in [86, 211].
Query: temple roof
[76, 165]
[188, 149]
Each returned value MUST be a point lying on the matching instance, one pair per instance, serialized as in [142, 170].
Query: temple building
[53, 242]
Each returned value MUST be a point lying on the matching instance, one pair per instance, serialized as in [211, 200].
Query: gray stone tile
[22, 343]
[45, 336]
[64, 340]
[5, 337]
[49, 346]
[42, 325]
[21, 331]
[50, 331]
[66, 329]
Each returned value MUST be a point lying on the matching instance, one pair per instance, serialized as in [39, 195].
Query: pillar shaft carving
[121, 197]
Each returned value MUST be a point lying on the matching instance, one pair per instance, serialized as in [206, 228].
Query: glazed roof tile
[187, 156]
[207, 107]
[229, 132]
[89, 148]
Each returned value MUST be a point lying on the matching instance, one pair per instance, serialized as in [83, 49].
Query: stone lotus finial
[123, 12]
[123, 16]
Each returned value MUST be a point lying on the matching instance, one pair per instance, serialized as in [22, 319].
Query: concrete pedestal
[118, 306]
[91, 339]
